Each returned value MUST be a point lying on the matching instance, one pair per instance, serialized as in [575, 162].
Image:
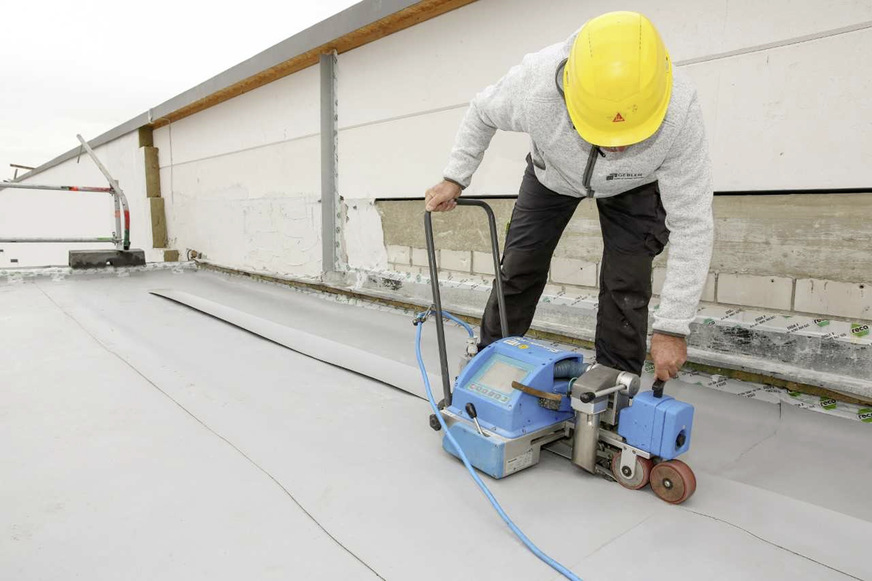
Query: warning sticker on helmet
[618, 118]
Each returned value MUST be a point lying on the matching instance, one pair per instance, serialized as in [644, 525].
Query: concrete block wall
[761, 258]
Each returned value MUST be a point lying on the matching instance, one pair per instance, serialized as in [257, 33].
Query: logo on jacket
[624, 176]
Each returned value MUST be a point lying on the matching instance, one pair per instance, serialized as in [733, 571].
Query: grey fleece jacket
[529, 99]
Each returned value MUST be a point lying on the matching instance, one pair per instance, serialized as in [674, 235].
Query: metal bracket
[628, 453]
[594, 407]
[422, 317]
[628, 462]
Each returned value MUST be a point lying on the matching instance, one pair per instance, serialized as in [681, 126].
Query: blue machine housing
[660, 426]
[486, 454]
[486, 383]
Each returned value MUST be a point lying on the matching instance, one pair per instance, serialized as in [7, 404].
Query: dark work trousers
[634, 232]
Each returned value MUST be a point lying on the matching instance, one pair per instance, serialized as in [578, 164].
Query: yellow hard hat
[618, 80]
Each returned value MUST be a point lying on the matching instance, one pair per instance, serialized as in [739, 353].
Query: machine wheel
[640, 476]
[673, 481]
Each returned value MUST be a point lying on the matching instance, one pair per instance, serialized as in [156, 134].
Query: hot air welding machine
[518, 395]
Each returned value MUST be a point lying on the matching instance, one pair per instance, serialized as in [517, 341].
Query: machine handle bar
[434, 285]
[589, 396]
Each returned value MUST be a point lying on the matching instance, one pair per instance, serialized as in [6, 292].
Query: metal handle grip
[434, 285]
[589, 396]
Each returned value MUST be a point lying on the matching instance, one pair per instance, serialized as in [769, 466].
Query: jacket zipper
[588, 170]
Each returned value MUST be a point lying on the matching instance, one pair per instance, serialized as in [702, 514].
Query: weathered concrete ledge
[839, 366]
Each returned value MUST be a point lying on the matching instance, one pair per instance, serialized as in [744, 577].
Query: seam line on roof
[207, 427]
[768, 542]
[618, 536]
[762, 440]
[777, 44]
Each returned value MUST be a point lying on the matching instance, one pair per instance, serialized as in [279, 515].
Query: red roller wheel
[640, 476]
[673, 481]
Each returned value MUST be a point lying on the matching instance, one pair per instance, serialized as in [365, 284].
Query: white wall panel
[796, 117]
[285, 109]
[751, 22]
[403, 158]
[445, 61]
[778, 100]
[257, 209]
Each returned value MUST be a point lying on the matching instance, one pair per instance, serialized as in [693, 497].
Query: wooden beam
[420, 12]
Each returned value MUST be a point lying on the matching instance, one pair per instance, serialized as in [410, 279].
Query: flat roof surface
[145, 440]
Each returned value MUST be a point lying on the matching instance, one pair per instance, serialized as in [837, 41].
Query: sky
[88, 66]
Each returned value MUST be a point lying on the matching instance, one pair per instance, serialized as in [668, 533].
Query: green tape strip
[828, 403]
[859, 329]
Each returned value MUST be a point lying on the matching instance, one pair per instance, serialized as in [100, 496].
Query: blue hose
[460, 322]
[535, 550]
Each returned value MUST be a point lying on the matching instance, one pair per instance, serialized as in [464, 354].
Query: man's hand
[669, 354]
[442, 196]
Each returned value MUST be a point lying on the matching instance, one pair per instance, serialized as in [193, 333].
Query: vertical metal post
[329, 163]
[437, 307]
[119, 242]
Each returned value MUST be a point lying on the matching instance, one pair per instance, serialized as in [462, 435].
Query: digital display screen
[500, 375]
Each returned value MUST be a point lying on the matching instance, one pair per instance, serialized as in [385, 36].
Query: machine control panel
[486, 382]
[494, 379]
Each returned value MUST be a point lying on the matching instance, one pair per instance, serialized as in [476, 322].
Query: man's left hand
[669, 354]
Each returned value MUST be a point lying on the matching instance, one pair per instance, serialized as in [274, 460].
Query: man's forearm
[686, 274]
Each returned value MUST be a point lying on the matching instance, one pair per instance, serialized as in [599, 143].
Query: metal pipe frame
[15, 186]
[115, 239]
[120, 238]
[26, 240]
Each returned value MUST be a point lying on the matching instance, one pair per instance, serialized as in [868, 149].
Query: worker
[610, 119]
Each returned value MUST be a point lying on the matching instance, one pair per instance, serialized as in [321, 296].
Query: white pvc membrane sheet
[142, 439]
